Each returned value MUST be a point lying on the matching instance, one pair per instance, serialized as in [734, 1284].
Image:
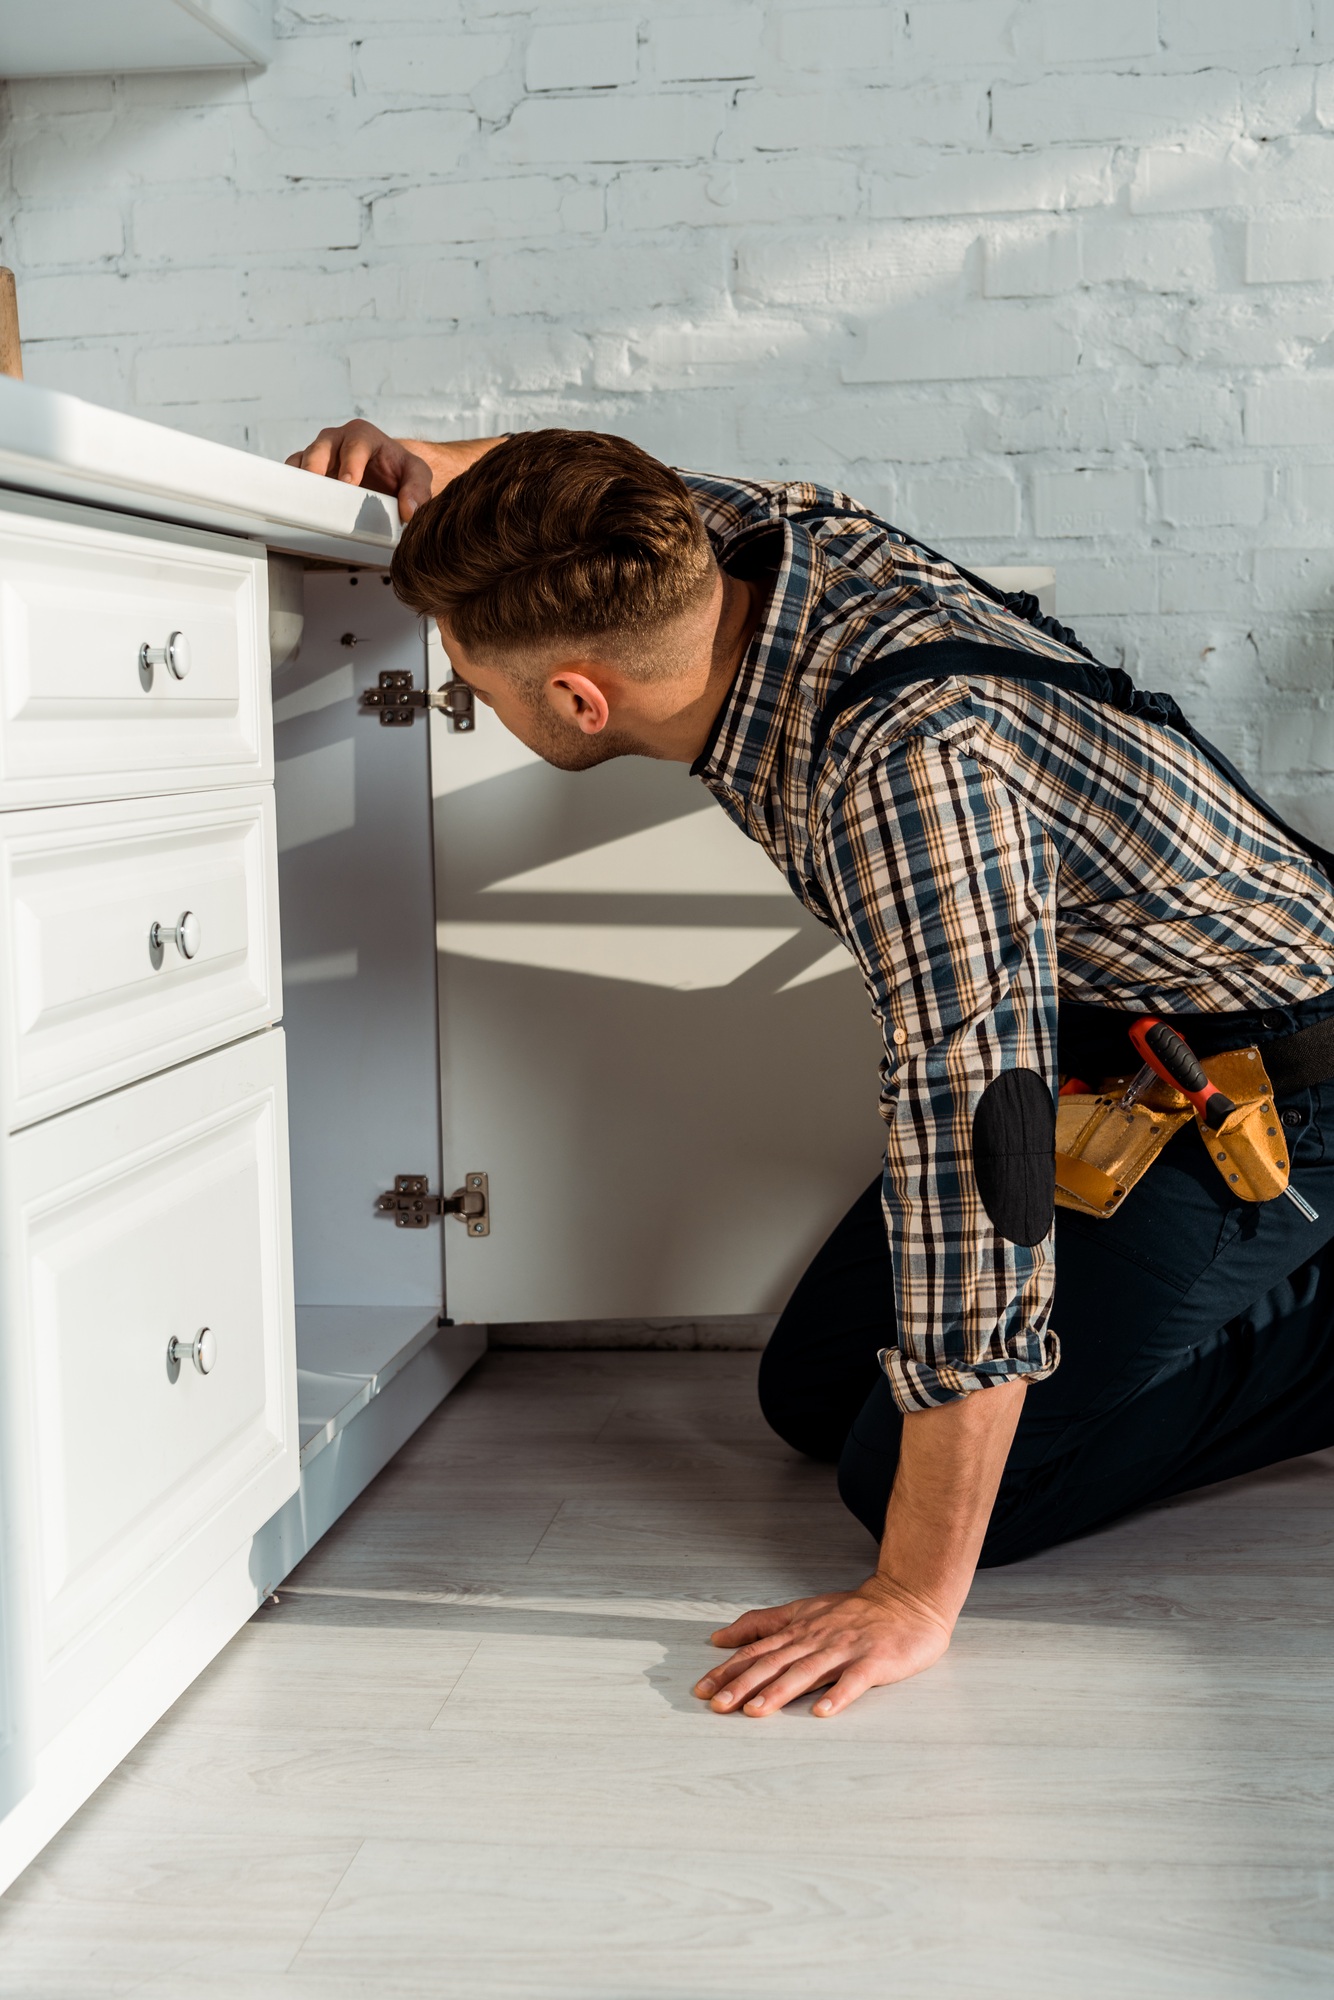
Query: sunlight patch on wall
[683, 957]
[840, 959]
[702, 854]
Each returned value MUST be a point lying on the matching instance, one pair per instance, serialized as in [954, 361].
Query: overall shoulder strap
[942, 658]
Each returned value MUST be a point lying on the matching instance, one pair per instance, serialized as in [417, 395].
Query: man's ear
[578, 700]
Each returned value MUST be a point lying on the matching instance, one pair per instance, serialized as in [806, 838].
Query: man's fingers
[316, 456]
[722, 1676]
[750, 1625]
[355, 453]
[850, 1686]
[415, 487]
[757, 1672]
[810, 1671]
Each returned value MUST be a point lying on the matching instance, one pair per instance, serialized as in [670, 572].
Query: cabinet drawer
[140, 1219]
[88, 1000]
[80, 718]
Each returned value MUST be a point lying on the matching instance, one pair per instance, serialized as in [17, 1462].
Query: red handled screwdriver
[1176, 1063]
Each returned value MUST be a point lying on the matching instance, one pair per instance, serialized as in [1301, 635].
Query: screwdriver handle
[1174, 1060]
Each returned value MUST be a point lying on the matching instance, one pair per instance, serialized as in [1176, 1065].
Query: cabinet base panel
[74, 1764]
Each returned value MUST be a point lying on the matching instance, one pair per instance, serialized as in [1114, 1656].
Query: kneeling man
[1028, 856]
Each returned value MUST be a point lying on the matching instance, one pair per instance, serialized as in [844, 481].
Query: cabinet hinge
[413, 1206]
[396, 701]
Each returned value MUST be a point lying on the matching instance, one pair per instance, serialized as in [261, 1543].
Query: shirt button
[900, 1036]
[1273, 1020]
[1294, 1118]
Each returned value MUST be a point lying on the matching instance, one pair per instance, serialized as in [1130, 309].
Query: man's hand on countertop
[409, 468]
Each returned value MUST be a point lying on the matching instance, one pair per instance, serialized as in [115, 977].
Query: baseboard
[718, 1332]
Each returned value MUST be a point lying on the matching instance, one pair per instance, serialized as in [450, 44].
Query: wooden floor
[460, 1756]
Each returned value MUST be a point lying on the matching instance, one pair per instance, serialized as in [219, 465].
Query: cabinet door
[88, 999]
[134, 1222]
[80, 716]
[667, 1068]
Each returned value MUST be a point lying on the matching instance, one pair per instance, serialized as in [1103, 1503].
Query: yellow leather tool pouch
[1104, 1146]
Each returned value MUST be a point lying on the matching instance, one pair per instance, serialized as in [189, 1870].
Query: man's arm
[901, 1619]
[411, 469]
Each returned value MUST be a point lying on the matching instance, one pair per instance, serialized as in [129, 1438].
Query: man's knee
[790, 1401]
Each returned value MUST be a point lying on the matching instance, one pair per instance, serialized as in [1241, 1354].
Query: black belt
[1301, 1060]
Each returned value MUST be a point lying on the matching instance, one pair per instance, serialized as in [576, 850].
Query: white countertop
[55, 444]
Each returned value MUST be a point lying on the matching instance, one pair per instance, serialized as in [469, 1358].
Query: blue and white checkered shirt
[987, 848]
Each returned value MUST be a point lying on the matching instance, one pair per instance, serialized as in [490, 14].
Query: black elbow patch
[1014, 1155]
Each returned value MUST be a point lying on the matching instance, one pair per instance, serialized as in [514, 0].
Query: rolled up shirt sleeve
[944, 884]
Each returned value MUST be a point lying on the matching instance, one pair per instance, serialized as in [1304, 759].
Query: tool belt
[1108, 1138]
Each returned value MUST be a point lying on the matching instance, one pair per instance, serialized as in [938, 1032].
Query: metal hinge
[413, 1206]
[397, 701]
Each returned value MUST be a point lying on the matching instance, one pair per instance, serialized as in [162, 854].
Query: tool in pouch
[1106, 1140]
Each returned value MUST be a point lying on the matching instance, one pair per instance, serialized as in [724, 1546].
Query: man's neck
[681, 737]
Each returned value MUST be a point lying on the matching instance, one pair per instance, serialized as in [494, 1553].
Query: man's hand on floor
[854, 1639]
[410, 469]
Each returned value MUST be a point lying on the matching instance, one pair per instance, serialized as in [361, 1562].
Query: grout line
[560, 1509]
[454, 1690]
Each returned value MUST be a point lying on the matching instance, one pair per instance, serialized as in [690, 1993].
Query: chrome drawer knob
[174, 656]
[202, 1350]
[185, 934]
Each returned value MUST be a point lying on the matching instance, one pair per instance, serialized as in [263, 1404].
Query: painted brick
[1021, 260]
[81, 154]
[959, 32]
[1287, 248]
[695, 48]
[1299, 580]
[468, 365]
[477, 211]
[1243, 175]
[1084, 31]
[1213, 495]
[1324, 22]
[1123, 108]
[1213, 584]
[977, 504]
[1091, 501]
[770, 190]
[225, 226]
[272, 372]
[593, 283]
[836, 120]
[1099, 586]
[834, 38]
[430, 65]
[582, 55]
[170, 301]
[869, 426]
[78, 233]
[998, 340]
[347, 145]
[97, 374]
[706, 356]
[857, 267]
[1157, 256]
[995, 183]
[1314, 498]
[1299, 739]
[595, 129]
[1214, 27]
[1291, 410]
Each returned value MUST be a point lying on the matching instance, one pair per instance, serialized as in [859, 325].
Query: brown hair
[555, 535]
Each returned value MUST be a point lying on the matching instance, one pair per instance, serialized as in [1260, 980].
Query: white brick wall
[1043, 279]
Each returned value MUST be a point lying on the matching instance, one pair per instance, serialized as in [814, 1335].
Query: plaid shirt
[986, 849]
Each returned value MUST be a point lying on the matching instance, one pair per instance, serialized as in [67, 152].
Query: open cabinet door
[666, 1067]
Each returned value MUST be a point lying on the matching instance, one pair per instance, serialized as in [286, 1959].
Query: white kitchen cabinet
[140, 1230]
[133, 660]
[131, 936]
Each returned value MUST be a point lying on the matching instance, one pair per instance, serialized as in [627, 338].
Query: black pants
[1197, 1336]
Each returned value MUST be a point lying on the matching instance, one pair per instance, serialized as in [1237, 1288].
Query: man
[1019, 849]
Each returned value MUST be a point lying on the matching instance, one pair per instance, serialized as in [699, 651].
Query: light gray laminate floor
[460, 1756]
